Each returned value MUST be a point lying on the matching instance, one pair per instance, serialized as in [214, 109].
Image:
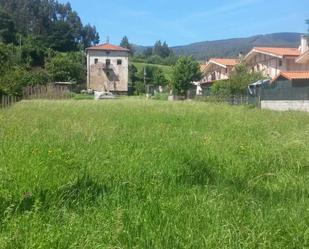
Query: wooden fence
[50, 91]
[6, 101]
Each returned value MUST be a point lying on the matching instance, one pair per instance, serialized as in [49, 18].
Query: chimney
[304, 44]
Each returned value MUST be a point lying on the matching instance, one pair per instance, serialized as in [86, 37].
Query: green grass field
[149, 174]
[167, 70]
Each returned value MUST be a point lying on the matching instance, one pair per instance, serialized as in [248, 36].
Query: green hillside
[166, 69]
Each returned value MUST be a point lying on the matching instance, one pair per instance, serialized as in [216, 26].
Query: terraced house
[271, 61]
[217, 69]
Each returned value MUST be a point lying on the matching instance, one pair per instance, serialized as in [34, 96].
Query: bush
[66, 67]
[185, 71]
[160, 96]
[12, 81]
[37, 77]
[237, 85]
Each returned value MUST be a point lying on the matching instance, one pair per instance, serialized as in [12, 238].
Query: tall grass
[152, 174]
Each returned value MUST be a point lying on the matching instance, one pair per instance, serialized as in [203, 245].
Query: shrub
[66, 67]
[185, 71]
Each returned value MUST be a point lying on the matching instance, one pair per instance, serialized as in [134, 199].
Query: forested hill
[41, 41]
[232, 47]
[54, 24]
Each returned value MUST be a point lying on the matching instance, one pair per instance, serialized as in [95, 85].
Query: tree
[159, 78]
[90, 36]
[33, 51]
[184, 73]
[165, 50]
[55, 23]
[62, 38]
[161, 50]
[157, 48]
[7, 28]
[66, 67]
[238, 82]
[148, 52]
[133, 75]
[126, 44]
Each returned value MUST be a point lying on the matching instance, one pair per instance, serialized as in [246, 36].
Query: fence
[50, 91]
[285, 93]
[6, 101]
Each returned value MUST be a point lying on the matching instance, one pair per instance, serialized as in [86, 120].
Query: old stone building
[107, 68]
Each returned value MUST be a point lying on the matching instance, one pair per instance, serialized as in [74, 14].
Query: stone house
[107, 68]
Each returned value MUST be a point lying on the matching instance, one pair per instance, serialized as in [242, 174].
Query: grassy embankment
[151, 174]
[167, 70]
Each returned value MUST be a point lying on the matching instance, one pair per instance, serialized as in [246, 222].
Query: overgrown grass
[152, 174]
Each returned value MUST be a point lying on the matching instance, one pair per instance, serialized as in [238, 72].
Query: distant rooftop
[108, 47]
[224, 61]
[274, 51]
[294, 75]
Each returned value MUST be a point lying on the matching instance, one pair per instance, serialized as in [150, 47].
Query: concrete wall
[285, 105]
[114, 79]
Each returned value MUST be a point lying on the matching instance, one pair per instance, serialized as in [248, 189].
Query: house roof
[293, 75]
[108, 47]
[304, 58]
[222, 62]
[275, 52]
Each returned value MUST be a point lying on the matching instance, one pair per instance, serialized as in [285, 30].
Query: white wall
[285, 105]
[221, 73]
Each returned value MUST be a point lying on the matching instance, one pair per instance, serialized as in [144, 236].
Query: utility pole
[20, 47]
[145, 74]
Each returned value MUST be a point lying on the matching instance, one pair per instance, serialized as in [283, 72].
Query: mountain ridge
[232, 47]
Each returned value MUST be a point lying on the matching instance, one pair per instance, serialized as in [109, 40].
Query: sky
[181, 22]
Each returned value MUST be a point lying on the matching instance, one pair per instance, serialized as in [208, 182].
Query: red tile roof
[294, 75]
[224, 61]
[108, 47]
[278, 51]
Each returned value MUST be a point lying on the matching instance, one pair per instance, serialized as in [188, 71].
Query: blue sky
[181, 22]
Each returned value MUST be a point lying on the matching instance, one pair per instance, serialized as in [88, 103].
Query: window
[119, 62]
[96, 60]
[280, 63]
[108, 62]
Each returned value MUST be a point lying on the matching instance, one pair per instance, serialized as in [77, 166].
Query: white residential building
[107, 68]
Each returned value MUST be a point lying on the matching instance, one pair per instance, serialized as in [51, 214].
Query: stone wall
[115, 78]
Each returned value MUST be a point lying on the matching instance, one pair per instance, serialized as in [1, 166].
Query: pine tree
[157, 48]
[126, 44]
[7, 28]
